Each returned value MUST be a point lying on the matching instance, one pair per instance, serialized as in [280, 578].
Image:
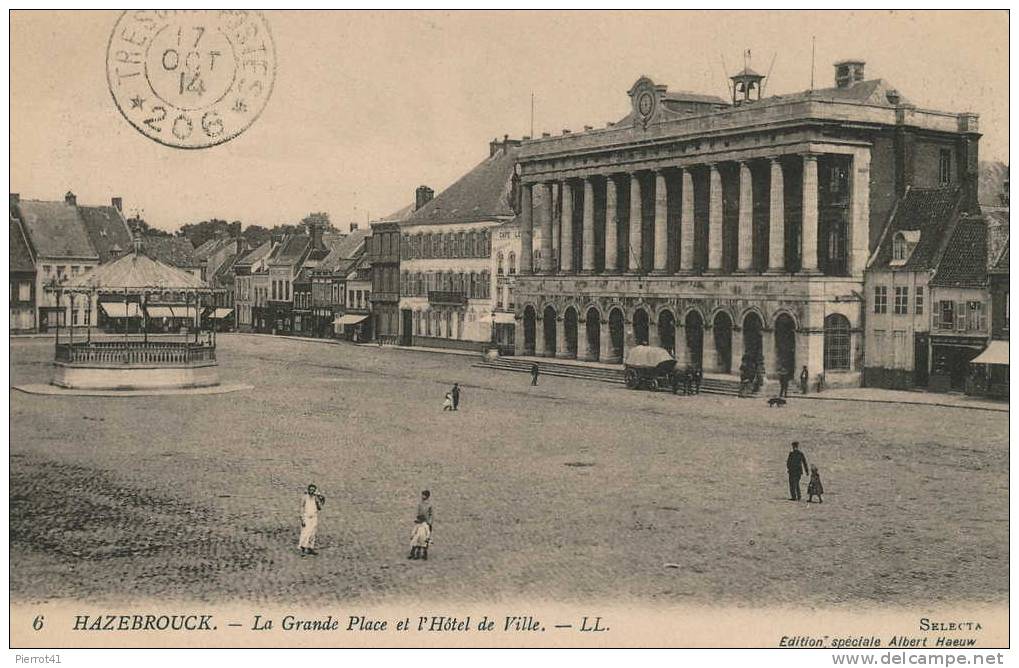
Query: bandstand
[127, 291]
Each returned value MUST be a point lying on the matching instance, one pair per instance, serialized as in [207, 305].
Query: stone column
[661, 224]
[561, 349]
[737, 347]
[555, 191]
[715, 221]
[810, 214]
[605, 343]
[770, 358]
[682, 354]
[653, 338]
[686, 225]
[526, 231]
[859, 212]
[776, 220]
[611, 226]
[746, 219]
[566, 229]
[709, 356]
[635, 248]
[545, 225]
[588, 253]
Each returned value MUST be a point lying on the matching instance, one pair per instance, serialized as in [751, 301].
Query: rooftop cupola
[746, 85]
[848, 72]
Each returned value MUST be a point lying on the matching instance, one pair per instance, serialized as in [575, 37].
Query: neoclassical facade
[723, 230]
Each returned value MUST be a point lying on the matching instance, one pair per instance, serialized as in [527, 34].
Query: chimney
[15, 198]
[848, 72]
[240, 245]
[315, 229]
[118, 203]
[423, 195]
[353, 227]
[70, 199]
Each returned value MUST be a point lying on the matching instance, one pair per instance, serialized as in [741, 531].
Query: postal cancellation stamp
[191, 79]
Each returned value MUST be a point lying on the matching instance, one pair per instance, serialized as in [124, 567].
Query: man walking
[311, 503]
[796, 465]
[534, 374]
[456, 396]
[783, 382]
[804, 379]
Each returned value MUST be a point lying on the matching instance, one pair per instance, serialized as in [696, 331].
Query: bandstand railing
[170, 353]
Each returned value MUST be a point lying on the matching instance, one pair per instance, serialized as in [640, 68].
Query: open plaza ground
[569, 491]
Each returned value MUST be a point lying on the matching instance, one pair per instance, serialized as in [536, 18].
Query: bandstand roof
[136, 272]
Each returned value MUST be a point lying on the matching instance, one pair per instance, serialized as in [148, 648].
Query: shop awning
[996, 353]
[349, 319]
[221, 313]
[184, 312]
[159, 311]
[121, 310]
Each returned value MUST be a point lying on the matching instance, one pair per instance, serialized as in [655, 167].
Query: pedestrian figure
[758, 375]
[311, 503]
[796, 465]
[820, 383]
[804, 378]
[419, 539]
[534, 374]
[447, 405]
[783, 382]
[744, 378]
[698, 376]
[456, 396]
[425, 507]
[814, 487]
[687, 381]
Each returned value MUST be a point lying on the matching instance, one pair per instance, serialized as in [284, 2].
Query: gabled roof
[291, 250]
[1000, 265]
[108, 231]
[174, 251]
[21, 254]
[933, 212]
[210, 247]
[484, 193]
[55, 230]
[136, 272]
[255, 255]
[343, 252]
[224, 276]
[964, 262]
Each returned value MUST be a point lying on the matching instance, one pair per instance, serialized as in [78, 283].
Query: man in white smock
[311, 503]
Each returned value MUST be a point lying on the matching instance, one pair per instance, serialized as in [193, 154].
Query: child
[814, 486]
[447, 405]
[419, 539]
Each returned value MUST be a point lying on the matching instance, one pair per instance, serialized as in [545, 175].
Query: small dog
[776, 401]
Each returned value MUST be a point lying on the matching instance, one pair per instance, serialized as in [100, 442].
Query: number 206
[182, 126]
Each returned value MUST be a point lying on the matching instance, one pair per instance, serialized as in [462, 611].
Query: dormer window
[903, 244]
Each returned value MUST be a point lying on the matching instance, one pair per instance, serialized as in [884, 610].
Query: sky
[369, 105]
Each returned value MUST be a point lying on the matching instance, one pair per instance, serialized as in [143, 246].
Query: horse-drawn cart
[650, 367]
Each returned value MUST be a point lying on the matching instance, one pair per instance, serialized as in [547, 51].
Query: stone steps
[596, 373]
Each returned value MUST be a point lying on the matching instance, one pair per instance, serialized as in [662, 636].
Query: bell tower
[746, 85]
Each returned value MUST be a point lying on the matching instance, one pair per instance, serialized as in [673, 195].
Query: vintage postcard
[509, 329]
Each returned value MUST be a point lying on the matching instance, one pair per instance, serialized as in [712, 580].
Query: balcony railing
[447, 297]
[156, 353]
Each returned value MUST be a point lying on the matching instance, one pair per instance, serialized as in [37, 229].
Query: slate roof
[291, 250]
[209, 248]
[343, 252]
[933, 212]
[224, 276]
[1001, 265]
[397, 216]
[174, 251]
[55, 230]
[107, 230]
[483, 193]
[21, 254]
[255, 255]
[964, 262]
[135, 272]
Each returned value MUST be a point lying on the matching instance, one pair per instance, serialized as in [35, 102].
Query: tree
[199, 233]
[140, 227]
[256, 235]
[320, 217]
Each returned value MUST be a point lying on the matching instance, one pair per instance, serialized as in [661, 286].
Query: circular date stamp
[191, 79]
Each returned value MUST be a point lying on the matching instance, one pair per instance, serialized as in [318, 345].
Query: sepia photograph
[510, 329]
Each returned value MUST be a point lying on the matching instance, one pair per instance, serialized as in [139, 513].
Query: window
[919, 300]
[945, 316]
[975, 315]
[25, 291]
[901, 300]
[899, 248]
[499, 265]
[880, 299]
[945, 170]
[512, 263]
[836, 342]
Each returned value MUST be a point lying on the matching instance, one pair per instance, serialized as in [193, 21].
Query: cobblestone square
[568, 491]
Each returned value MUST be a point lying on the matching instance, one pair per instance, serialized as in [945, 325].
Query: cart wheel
[653, 385]
[630, 376]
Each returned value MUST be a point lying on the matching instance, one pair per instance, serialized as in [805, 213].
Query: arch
[570, 335]
[693, 325]
[529, 318]
[836, 342]
[548, 321]
[721, 327]
[753, 338]
[785, 342]
[593, 326]
[617, 324]
[667, 330]
[641, 326]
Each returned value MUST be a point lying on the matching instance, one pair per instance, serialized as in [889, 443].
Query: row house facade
[56, 241]
[384, 258]
[329, 288]
[251, 284]
[725, 230]
[447, 285]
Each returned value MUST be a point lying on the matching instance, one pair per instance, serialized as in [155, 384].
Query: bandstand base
[131, 377]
